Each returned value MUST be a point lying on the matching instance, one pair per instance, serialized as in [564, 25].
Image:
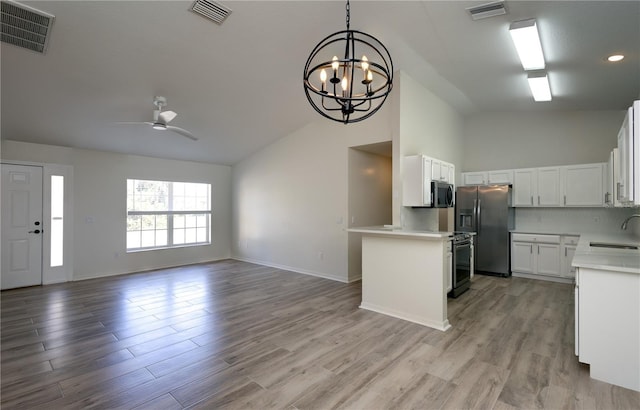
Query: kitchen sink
[614, 245]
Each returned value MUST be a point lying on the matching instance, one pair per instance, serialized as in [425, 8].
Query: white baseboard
[542, 277]
[292, 269]
[442, 326]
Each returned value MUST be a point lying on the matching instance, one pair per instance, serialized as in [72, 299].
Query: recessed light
[615, 57]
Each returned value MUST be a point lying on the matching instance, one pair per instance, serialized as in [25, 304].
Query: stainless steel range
[461, 275]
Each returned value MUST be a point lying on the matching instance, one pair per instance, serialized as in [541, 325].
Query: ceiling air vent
[484, 11]
[25, 27]
[211, 10]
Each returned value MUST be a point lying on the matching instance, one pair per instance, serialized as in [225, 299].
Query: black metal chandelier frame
[339, 96]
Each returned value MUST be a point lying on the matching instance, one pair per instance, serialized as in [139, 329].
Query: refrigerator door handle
[474, 215]
[478, 221]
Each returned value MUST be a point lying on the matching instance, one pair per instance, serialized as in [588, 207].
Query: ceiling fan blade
[182, 132]
[166, 116]
[133, 123]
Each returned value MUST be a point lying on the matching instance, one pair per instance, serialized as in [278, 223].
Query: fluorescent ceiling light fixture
[525, 37]
[615, 57]
[539, 84]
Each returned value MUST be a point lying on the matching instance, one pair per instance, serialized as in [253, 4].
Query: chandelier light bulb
[365, 63]
[335, 63]
[323, 76]
[345, 84]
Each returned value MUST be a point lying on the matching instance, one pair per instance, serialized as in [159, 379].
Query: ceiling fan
[162, 118]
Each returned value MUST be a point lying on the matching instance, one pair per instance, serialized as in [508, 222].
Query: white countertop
[621, 260]
[543, 232]
[398, 231]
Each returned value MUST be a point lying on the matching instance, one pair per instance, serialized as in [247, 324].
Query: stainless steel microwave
[441, 195]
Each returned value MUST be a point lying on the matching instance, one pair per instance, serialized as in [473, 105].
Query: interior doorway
[369, 197]
[22, 226]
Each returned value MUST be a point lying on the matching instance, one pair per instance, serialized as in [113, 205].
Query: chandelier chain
[348, 7]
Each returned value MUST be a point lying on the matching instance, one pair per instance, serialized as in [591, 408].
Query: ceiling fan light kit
[162, 118]
[352, 87]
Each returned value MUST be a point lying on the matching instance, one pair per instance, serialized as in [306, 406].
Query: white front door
[21, 226]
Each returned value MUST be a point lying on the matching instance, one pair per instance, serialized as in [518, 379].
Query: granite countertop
[399, 231]
[611, 259]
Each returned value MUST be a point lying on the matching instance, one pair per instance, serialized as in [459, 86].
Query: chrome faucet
[626, 221]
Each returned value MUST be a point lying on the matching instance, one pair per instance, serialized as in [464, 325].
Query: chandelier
[352, 87]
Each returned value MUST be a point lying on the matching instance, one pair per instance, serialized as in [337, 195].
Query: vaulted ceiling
[238, 86]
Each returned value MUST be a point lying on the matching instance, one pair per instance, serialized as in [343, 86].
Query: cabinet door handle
[531, 249]
[538, 199]
[565, 252]
[531, 199]
[565, 199]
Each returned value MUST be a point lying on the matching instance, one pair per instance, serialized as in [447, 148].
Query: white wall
[427, 125]
[290, 199]
[370, 187]
[100, 206]
[503, 140]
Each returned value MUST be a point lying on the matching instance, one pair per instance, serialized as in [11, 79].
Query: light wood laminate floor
[232, 334]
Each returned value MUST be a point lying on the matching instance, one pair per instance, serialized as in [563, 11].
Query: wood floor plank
[232, 334]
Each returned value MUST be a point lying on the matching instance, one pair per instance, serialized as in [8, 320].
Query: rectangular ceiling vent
[211, 10]
[25, 27]
[484, 11]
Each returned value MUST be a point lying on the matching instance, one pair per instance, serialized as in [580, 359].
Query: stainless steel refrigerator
[487, 211]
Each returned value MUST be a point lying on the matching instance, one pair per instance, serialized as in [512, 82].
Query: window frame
[170, 214]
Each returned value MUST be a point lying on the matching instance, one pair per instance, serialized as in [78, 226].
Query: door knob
[36, 231]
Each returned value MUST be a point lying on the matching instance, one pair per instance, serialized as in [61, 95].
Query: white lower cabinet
[535, 255]
[569, 244]
[607, 336]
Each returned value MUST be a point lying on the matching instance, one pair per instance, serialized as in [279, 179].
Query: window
[162, 214]
[57, 220]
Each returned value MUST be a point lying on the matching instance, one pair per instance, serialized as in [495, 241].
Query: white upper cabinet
[488, 177]
[417, 173]
[416, 181]
[549, 187]
[442, 171]
[610, 179]
[525, 187]
[624, 185]
[500, 177]
[537, 187]
[583, 185]
[474, 178]
[571, 185]
[627, 185]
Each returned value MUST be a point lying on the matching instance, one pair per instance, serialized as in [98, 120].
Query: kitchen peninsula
[405, 274]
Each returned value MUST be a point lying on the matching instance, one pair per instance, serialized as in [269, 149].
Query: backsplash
[576, 220]
[560, 220]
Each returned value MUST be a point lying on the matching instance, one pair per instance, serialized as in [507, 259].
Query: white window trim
[169, 214]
